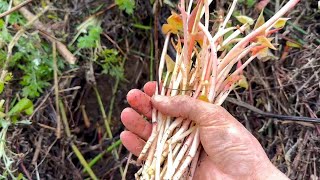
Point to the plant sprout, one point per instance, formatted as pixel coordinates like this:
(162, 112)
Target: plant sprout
(204, 69)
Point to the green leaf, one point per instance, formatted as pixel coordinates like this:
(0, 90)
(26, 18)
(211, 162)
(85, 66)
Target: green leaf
(20, 177)
(293, 44)
(260, 21)
(2, 23)
(280, 23)
(4, 123)
(111, 63)
(243, 82)
(90, 40)
(126, 5)
(2, 115)
(245, 20)
(8, 77)
(23, 105)
(2, 101)
(1, 87)
(249, 3)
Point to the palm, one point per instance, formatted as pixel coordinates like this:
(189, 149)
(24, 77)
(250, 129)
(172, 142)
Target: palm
(229, 150)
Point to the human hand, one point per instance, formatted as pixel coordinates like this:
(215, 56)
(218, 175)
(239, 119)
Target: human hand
(230, 151)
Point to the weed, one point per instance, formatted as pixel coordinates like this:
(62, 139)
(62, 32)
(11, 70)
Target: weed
(111, 63)
(108, 59)
(126, 5)
(31, 55)
(92, 40)
(249, 3)
(23, 106)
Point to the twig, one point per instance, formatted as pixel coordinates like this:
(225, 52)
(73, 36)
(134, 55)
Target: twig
(151, 57)
(25, 171)
(127, 166)
(156, 44)
(56, 89)
(86, 119)
(17, 7)
(277, 116)
(46, 154)
(37, 151)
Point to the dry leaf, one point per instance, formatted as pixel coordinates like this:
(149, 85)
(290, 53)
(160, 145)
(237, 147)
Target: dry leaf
(174, 24)
(266, 42)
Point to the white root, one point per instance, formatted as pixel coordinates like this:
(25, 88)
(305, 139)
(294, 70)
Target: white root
(173, 149)
(194, 164)
(154, 134)
(180, 155)
(191, 154)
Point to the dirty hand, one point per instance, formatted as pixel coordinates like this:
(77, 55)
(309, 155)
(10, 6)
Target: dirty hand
(230, 151)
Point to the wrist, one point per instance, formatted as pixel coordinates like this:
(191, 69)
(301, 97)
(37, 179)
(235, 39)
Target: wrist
(269, 172)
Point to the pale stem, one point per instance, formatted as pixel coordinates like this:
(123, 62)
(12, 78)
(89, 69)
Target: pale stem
(182, 129)
(159, 152)
(244, 65)
(182, 136)
(185, 32)
(225, 72)
(182, 152)
(163, 55)
(222, 96)
(163, 91)
(148, 143)
(233, 35)
(176, 84)
(190, 6)
(212, 63)
(232, 7)
(191, 154)
(240, 45)
(194, 164)
(207, 14)
(222, 32)
(203, 9)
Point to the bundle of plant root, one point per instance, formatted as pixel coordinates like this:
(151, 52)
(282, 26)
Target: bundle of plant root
(208, 65)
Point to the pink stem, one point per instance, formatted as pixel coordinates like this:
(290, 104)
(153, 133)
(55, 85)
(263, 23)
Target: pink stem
(240, 45)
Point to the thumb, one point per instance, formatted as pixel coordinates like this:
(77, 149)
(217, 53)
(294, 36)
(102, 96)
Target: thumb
(200, 112)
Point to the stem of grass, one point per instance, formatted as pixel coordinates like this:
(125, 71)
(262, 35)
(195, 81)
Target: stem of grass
(73, 146)
(99, 156)
(107, 124)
